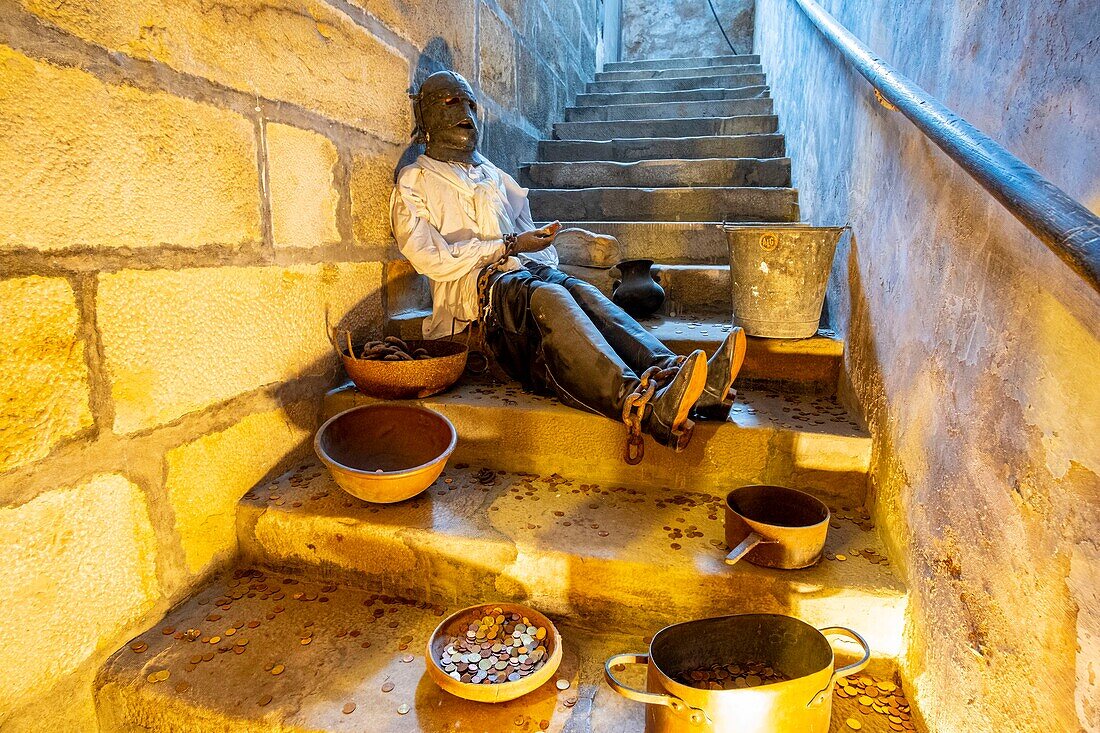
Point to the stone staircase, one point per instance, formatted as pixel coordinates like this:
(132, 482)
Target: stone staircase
(322, 626)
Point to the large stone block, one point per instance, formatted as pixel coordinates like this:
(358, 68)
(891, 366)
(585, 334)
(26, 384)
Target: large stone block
(298, 51)
(44, 395)
(497, 49)
(207, 477)
(112, 166)
(303, 194)
(372, 177)
(79, 569)
(176, 342)
(443, 30)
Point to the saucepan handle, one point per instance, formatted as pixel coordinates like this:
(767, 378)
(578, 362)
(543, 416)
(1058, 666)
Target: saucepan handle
(848, 670)
(695, 715)
(746, 546)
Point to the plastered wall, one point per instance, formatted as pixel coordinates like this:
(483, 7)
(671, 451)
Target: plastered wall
(971, 347)
(194, 192)
(680, 28)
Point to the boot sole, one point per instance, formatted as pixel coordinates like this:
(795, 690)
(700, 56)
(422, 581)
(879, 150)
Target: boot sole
(694, 389)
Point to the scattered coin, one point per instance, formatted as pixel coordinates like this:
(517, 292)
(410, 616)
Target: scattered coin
(402, 709)
(853, 723)
(562, 684)
(265, 700)
(388, 687)
(138, 647)
(349, 708)
(277, 669)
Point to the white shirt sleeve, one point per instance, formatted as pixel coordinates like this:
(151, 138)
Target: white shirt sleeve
(423, 245)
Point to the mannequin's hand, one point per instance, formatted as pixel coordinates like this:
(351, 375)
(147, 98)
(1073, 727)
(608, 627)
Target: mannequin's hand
(537, 239)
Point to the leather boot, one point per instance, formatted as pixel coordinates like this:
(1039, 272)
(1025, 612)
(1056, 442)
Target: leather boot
(717, 399)
(667, 420)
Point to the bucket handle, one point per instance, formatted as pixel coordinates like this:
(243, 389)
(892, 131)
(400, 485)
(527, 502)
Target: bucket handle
(850, 669)
(695, 715)
(746, 546)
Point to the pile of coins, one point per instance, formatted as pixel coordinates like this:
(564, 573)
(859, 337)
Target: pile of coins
(876, 696)
(498, 647)
(731, 676)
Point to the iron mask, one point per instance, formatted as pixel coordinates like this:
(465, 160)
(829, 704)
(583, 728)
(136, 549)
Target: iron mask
(446, 118)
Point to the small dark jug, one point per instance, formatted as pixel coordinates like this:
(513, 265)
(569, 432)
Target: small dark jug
(638, 292)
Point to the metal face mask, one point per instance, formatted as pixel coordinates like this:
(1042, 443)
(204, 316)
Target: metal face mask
(446, 112)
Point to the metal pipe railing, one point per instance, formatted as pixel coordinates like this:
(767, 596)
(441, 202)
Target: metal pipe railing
(1069, 229)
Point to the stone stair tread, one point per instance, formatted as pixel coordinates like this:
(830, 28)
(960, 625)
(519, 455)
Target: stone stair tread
(673, 203)
(670, 110)
(664, 241)
(635, 149)
(659, 172)
(680, 73)
(683, 62)
(726, 81)
(691, 95)
(684, 127)
(599, 555)
(805, 440)
(319, 679)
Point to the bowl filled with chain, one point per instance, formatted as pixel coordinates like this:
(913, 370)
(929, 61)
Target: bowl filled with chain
(493, 652)
(392, 368)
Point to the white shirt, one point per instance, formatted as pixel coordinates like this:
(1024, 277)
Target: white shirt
(449, 220)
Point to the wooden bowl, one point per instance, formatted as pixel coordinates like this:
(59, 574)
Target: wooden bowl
(455, 626)
(385, 453)
(406, 380)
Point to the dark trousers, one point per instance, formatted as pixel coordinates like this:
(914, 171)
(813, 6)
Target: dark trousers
(559, 335)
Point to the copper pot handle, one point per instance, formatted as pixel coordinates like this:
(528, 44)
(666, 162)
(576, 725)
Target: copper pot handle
(746, 547)
(850, 669)
(695, 715)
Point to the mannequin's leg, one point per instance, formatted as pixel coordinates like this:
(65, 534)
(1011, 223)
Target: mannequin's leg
(636, 346)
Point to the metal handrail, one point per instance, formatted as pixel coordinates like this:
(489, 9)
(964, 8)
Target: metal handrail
(1069, 229)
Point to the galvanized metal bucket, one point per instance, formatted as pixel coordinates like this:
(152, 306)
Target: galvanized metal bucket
(801, 704)
(778, 276)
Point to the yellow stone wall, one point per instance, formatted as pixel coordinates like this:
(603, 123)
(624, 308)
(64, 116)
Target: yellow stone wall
(193, 194)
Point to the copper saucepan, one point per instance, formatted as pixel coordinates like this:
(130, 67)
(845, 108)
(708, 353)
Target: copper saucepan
(775, 527)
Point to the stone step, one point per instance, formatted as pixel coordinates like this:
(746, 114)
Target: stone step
(666, 204)
(808, 441)
(632, 149)
(691, 95)
(806, 366)
(355, 663)
(683, 242)
(694, 289)
(723, 70)
(803, 366)
(671, 110)
(694, 127)
(682, 63)
(725, 81)
(601, 556)
(772, 172)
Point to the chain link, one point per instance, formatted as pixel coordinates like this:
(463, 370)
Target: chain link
(634, 408)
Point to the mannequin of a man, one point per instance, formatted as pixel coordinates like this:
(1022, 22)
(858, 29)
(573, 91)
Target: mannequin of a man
(467, 226)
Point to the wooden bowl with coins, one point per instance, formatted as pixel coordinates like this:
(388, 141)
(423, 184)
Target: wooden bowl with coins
(493, 652)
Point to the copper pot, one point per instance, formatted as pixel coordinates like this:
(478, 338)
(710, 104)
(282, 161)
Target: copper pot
(775, 526)
(801, 704)
(387, 452)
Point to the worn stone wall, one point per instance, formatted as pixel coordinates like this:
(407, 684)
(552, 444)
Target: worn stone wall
(193, 193)
(972, 348)
(654, 29)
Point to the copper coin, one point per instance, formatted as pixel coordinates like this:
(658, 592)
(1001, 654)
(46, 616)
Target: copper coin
(265, 700)
(277, 669)
(139, 646)
(388, 687)
(349, 708)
